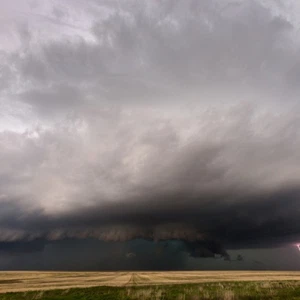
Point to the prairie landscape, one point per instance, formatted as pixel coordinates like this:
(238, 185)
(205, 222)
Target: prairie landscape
(149, 135)
(150, 285)
(15, 281)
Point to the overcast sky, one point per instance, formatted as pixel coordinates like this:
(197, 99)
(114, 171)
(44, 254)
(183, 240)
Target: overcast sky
(157, 120)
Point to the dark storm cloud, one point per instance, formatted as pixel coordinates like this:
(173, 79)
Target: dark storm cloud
(22, 247)
(91, 254)
(227, 190)
(166, 121)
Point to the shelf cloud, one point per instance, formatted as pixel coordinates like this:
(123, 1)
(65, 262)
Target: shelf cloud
(162, 121)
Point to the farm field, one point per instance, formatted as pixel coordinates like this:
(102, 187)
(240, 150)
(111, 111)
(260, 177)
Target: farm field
(16, 281)
(229, 290)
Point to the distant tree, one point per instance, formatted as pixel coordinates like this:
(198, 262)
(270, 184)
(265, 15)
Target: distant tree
(130, 255)
(227, 257)
(239, 258)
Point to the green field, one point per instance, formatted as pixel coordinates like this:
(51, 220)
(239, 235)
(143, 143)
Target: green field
(212, 290)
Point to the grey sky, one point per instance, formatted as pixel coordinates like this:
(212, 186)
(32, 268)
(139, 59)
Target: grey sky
(147, 119)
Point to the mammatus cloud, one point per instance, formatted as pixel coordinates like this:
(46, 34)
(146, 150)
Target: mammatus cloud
(160, 121)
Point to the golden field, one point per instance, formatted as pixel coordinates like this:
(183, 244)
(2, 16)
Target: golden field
(30, 280)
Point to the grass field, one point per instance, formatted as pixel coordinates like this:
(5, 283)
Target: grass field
(222, 290)
(150, 285)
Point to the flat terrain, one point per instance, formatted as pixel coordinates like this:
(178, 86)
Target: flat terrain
(237, 290)
(30, 281)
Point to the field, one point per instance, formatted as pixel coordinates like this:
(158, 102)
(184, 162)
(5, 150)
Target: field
(150, 285)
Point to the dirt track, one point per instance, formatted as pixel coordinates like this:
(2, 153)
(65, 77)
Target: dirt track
(24, 281)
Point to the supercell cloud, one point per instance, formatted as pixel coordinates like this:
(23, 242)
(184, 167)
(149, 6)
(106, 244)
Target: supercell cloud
(155, 120)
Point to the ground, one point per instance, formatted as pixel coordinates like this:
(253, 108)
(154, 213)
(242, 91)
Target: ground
(150, 285)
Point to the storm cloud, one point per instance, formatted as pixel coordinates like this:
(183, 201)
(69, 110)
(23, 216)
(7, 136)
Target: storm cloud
(161, 121)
